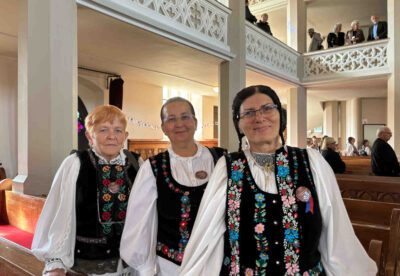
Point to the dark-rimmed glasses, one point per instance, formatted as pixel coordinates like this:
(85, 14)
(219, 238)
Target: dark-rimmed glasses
(266, 109)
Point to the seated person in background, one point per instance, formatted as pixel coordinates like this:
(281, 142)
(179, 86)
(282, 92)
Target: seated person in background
(315, 143)
(351, 149)
(316, 41)
(328, 151)
(249, 16)
(167, 194)
(383, 158)
(309, 142)
(263, 24)
(81, 224)
(336, 38)
(355, 35)
(365, 149)
(378, 30)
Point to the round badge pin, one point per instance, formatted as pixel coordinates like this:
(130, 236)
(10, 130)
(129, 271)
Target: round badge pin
(201, 175)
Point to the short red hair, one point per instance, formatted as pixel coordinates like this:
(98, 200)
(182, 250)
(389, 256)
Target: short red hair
(104, 113)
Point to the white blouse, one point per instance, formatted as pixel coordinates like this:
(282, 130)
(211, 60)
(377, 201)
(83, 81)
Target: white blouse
(341, 252)
(54, 239)
(139, 238)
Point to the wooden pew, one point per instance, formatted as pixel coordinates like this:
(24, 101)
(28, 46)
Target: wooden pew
(359, 165)
(18, 261)
(149, 147)
(375, 188)
(19, 216)
(378, 221)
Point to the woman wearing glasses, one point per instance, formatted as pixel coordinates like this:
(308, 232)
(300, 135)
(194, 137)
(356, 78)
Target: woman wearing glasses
(271, 209)
(167, 194)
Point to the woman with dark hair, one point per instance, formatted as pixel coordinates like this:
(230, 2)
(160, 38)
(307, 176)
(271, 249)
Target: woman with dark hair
(271, 209)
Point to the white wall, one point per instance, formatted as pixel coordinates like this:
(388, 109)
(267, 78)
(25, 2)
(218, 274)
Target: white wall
(8, 115)
(314, 115)
(374, 110)
(142, 104)
(208, 118)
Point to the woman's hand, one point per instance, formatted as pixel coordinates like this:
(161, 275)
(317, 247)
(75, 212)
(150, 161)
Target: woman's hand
(56, 272)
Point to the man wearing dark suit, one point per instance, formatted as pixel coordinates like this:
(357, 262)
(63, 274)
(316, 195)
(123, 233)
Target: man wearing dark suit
(383, 158)
(378, 30)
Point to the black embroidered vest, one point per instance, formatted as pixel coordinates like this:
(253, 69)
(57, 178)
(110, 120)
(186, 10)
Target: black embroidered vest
(272, 234)
(177, 207)
(100, 210)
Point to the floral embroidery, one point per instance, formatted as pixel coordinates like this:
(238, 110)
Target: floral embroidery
(260, 214)
(106, 197)
(233, 209)
(259, 229)
(112, 196)
(172, 253)
(287, 187)
(249, 272)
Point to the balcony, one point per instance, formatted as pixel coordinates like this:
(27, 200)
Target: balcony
(202, 24)
(269, 55)
(360, 60)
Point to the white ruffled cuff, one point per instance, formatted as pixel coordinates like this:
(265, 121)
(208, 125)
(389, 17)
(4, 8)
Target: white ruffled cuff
(53, 263)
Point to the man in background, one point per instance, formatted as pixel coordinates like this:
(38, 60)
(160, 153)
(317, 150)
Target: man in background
(383, 158)
(264, 25)
(378, 29)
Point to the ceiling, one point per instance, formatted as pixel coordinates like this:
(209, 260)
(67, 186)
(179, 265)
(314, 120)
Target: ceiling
(110, 45)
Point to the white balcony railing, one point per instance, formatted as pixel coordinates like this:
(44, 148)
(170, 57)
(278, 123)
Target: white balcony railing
(358, 60)
(200, 23)
(270, 55)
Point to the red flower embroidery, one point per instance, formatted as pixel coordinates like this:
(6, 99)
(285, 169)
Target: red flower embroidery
(106, 182)
(119, 181)
(121, 215)
(106, 216)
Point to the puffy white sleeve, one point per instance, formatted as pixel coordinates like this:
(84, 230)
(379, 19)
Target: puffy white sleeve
(139, 238)
(205, 250)
(54, 239)
(341, 252)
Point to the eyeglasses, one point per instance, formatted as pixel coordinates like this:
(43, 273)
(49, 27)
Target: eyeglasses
(184, 118)
(266, 109)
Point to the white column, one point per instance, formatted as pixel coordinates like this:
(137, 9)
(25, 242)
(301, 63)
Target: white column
(296, 25)
(354, 128)
(331, 119)
(343, 125)
(393, 53)
(297, 117)
(47, 91)
(232, 75)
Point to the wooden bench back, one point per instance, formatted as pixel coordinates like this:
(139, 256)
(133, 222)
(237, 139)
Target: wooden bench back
(370, 212)
(374, 188)
(358, 165)
(18, 261)
(23, 211)
(148, 147)
(377, 221)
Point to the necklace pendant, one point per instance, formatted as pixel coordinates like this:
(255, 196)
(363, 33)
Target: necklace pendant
(269, 167)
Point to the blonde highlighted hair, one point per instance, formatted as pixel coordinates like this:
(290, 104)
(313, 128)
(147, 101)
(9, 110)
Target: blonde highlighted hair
(102, 114)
